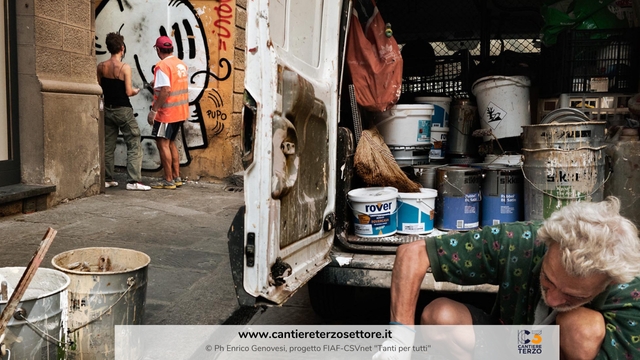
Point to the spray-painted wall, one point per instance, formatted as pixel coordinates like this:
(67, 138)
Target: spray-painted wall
(204, 35)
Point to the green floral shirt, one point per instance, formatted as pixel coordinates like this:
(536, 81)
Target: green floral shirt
(510, 256)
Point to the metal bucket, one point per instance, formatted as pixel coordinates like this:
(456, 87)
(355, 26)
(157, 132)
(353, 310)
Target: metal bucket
(458, 203)
(41, 306)
(108, 288)
(502, 188)
(411, 155)
(426, 175)
(565, 136)
(555, 178)
(461, 126)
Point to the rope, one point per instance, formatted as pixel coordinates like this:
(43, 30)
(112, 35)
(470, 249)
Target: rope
(130, 281)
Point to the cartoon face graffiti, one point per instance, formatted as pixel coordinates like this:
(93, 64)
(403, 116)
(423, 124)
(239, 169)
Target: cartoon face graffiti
(141, 22)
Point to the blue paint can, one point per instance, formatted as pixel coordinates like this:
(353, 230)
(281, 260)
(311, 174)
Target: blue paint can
(458, 205)
(502, 199)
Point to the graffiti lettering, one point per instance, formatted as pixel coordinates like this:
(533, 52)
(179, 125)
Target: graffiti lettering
(217, 115)
(224, 11)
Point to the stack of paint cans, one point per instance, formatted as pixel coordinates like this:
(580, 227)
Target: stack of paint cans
(439, 126)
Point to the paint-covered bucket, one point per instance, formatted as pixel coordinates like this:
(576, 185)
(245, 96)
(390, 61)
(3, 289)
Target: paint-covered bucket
(39, 312)
(506, 159)
(573, 135)
(503, 104)
(411, 155)
(439, 140)
(458, 204)
(406, 125)
(374, 211)
(555, 178)
(426, 175)
(502, 196)
(461, 125)
(441, 105)
(416, 211)
(108, 288)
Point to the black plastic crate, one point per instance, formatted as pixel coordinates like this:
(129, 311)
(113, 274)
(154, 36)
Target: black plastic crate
(584, 61)
(450, 78)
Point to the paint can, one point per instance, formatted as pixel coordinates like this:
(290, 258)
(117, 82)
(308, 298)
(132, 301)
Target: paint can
(374, 211)
(461, 125)
(108, 288)
(458, 203)
(426, 175)
(416, 211)
(503, 104)
(555, 178)
(411, 155)
(505, 159)
(566, 136)
(441, 106)
(39, 312)
(439, 141)
(406, 125)
(502, 188)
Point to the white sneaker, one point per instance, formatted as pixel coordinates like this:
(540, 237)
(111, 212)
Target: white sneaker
(109, 184)
(138, 186)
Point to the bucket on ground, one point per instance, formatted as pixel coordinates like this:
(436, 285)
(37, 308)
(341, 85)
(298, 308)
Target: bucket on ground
(506, 159)
(439, 143)
(108, 288)
(416, 211)
(502, 194)
(555, 178)
(461, 125)
(374, 211)
(426, 175)
(458, 203)
(503, 104)
(406, 125)
(411, 155)
(441, 105)
(567, 136)
(39, 312)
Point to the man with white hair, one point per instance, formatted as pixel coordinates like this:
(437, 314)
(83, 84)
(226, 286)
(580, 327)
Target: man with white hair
(579, 269)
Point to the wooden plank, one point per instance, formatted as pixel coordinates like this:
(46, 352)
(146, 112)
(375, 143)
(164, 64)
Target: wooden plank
(26, 278)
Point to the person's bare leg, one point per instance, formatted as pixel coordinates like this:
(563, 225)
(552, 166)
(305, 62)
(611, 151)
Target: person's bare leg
(460, 342)
(582, 332)
(165, 157)
(409, 269)
(175, 160)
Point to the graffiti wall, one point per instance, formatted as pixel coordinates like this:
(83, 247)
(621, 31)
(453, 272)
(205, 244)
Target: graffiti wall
(203, 34)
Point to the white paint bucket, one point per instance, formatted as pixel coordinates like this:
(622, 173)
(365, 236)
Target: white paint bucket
(416, 211)
(374, 211)
(406, 125)
(503, 104)
(441, 106)
(439, 140)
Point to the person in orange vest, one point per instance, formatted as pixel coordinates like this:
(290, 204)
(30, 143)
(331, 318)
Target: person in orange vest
(170, 109)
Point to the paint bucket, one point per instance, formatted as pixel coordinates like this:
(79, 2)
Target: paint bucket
(566, 136)
(411, 155)
(439, 141)
(406, 125)
(508, 160)
(502, 188)
(555, 178)
(503, 104)
(416, 211)
(441, 105)
(463, 160)
(458, 203)
(99, 300)
(461, 125)
(374, 211)
(426, 175)
(42, 307)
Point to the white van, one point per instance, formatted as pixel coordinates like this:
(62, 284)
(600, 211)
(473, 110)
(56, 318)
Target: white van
(298, 136)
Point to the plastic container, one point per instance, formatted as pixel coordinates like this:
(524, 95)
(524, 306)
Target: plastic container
(374, 211)
(439, 141)
(441, 106)
(411, 155)
(406, 125)
(416, 211)
(503, 104)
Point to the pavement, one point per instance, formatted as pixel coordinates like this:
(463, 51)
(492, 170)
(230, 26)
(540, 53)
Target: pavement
(184, 231)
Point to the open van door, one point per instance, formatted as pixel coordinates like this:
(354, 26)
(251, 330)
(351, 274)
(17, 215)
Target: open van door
(290, 120)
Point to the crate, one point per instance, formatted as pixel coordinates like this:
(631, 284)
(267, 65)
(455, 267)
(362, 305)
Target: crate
(584, 61)
(451, 78)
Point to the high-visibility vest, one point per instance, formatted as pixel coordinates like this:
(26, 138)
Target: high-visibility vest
(176, 108)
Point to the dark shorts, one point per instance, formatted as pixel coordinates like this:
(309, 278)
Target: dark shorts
(166, 130)
(479, 317)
